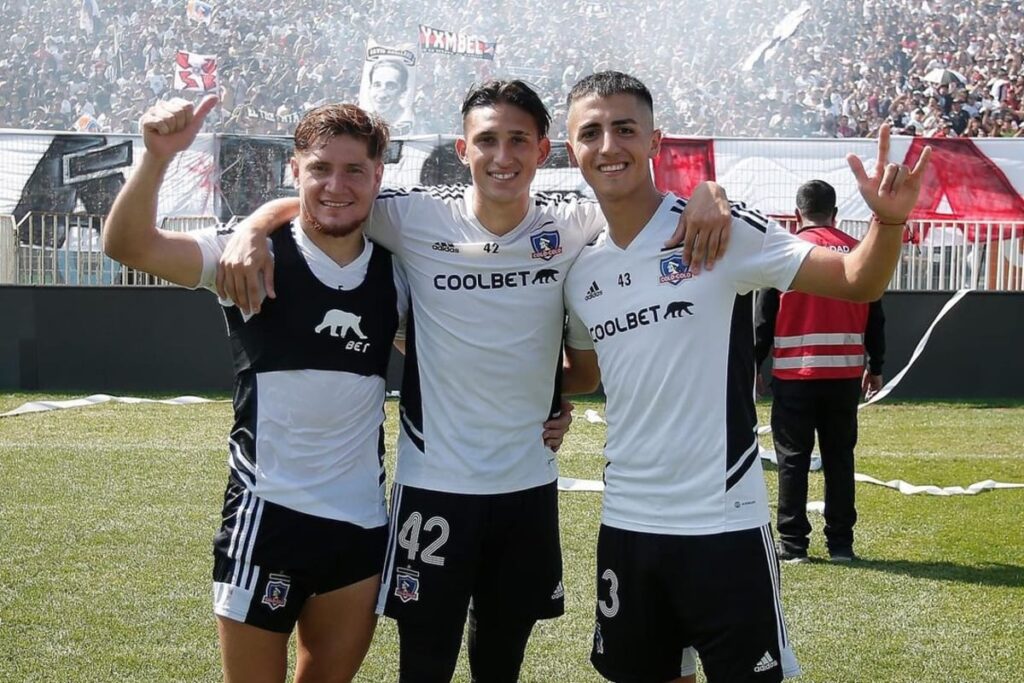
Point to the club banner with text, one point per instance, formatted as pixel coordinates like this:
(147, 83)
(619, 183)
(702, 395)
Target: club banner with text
(454, 43)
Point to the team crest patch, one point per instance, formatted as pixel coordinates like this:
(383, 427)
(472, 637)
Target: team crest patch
(546, 244)
(275, 595)
(407, 586)
(673, 270)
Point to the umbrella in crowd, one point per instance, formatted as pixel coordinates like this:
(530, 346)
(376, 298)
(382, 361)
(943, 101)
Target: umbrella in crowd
(945, 77)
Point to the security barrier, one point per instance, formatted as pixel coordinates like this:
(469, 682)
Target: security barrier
(951, 255)
(66, 249)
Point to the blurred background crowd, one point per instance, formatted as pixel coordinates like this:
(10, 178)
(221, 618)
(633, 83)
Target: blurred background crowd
(931, 67)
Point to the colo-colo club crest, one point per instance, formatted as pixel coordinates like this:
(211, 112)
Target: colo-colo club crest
(673, 270)
(546, 244)
(407, 584)
(275, 595)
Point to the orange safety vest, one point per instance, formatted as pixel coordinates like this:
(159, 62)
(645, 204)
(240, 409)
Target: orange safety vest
(817, 337)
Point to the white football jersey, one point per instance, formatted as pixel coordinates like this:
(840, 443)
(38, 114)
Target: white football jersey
(315, 437)
(483, 338)
(676, 353)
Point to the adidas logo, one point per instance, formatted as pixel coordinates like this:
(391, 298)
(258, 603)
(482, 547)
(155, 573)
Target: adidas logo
(766, 663)
(445, 246)
(593, 292)
(559, 592)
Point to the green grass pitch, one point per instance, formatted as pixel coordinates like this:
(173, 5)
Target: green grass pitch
(106, 517)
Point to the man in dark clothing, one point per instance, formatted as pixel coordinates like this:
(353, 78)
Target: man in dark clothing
(817, 378)
(958, 117)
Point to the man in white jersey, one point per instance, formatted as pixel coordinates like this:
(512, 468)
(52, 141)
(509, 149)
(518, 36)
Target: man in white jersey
(474, 509)
(685, 552)
(304, 523)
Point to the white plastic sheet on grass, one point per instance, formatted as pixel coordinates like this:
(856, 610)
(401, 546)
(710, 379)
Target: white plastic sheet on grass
(97, 399)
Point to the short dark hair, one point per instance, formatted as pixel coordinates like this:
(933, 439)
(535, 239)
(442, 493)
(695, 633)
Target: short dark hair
(608, 83)
(816, 201)
(402, 69)
(514, 92)
(320, 125)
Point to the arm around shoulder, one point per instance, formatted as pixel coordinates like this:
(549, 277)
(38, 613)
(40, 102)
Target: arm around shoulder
(246, 267)
(581, 373)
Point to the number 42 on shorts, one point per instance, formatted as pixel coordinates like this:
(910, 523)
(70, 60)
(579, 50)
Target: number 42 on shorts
(409, 538)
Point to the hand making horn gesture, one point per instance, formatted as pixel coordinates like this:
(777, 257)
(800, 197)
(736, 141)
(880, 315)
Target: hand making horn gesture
(891, 192)
(170, 126)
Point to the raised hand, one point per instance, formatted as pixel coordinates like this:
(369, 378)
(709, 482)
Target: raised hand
(891, 191)
(170, 126)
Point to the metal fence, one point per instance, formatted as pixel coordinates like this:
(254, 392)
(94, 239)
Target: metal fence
(8, 251)
(65, 249)
(951, 255)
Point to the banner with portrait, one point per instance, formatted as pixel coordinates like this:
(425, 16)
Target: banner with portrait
(388, 84)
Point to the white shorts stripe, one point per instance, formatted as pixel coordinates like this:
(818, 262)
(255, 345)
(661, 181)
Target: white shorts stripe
(790, 665)
(236, 533)
(392, 549)
(250, 543)
(773, 568)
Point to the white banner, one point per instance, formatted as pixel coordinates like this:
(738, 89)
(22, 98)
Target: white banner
(82, 173)
(197, 73)
(767, 173)
(388, 84)
(60, 172)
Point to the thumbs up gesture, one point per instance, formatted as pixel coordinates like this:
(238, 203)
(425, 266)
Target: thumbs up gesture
(170, 126)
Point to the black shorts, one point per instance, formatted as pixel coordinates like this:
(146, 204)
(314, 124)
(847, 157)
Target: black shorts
(268, 559)
(658, 594)
(502, 550)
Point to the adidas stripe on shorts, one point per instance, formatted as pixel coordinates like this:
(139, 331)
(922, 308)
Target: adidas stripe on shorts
(269, 559)
(658, 594)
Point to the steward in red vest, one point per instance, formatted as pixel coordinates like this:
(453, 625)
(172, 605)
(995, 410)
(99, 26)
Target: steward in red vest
(818, 376)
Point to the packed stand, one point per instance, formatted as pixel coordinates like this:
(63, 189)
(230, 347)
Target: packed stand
(844, 71)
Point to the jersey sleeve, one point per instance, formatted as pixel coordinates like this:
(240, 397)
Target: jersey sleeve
(583, 213)
(590, 218)
(767, 255)
(390, 210)
(212, 242)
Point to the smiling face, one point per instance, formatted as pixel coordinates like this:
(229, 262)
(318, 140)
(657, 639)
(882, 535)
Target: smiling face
(337, 184)
(503, 148)
(387, 85)
(612, 139)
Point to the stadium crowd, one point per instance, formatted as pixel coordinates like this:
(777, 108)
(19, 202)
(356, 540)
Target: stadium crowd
(932, 67)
